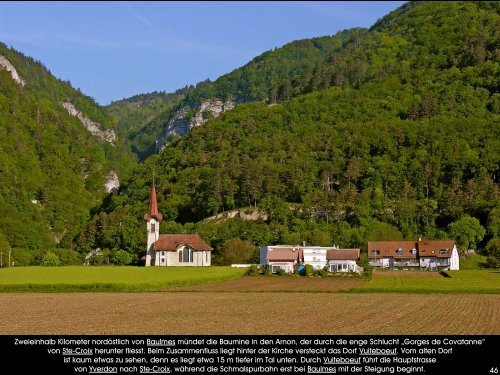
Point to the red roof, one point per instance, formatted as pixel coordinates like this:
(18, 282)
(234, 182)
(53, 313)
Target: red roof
(285, 254)
(153, 207)
(386, 249)
(171, 242)
(342, 254)
(438, 249)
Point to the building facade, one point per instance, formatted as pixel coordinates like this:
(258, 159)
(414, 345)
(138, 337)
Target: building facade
(172, 249)
(417, 255)
(287, 257)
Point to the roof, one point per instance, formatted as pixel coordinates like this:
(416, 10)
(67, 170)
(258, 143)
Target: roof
(171, 242)
(390, 249)
(386, 249)
(153, 207)
(441, 249)
(342, 254)
(285, 254)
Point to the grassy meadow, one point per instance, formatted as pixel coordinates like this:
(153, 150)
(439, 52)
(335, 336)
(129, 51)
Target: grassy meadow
(468, 281)
(109, 279)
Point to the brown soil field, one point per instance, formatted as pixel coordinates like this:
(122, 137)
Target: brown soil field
(420, 274)
(276, 284)
(248, 313)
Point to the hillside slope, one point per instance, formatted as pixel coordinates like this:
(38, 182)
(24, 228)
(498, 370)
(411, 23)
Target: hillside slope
(59, 155)
(404, 147)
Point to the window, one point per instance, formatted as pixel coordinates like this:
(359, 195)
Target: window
(186, 255)
(443, 251)
(206, 256)
(162, 253)
(163, 260)
(282, 267)
(375, 252)
(399, 251)
(153, 227)
(433, 252)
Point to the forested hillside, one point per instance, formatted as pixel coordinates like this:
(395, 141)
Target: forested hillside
(52, 169)
(399, 139)
(134, 113)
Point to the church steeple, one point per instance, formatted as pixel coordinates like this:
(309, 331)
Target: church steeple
(153, 218)
(153, 207)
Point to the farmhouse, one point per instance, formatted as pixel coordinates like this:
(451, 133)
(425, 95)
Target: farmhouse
(172, 249)
(286, 257)
(424, 255)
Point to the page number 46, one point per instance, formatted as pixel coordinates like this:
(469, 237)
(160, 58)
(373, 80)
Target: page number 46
(494, 370)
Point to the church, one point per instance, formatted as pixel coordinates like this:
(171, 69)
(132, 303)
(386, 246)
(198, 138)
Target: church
(172, 249)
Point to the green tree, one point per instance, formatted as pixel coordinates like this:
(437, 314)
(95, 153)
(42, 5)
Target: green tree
(121, 258)
(493, 251)
(237, 251)
(467, 231)
(50, 260)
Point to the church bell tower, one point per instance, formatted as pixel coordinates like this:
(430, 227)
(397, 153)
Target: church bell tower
(153, 218)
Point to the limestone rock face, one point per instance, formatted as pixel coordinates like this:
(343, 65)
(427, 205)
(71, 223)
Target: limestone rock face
(112, 182)
(5, 64)
(92, 126)
(183, 121)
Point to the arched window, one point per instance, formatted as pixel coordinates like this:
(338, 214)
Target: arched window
(186, 254)
(180, 256)
(153, 227)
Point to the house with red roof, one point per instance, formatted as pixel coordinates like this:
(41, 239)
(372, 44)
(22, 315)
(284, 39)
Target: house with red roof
(172, 249)
(287, 257)
(424, 255)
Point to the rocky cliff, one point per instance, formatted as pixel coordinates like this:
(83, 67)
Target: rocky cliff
(189, 117)
(92, 126)
(5, 64)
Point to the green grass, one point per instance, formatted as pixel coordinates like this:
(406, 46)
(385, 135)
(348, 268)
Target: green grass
(456, 282)
(473, 262)
(109, 279)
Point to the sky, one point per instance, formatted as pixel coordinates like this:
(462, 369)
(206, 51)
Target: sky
(114, 50)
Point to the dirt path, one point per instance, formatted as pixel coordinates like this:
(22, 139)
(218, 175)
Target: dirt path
(248, 313)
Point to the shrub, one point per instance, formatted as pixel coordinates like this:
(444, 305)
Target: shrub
(50, 260)
(96, 260)
(121, 258)
(253, 270)
(265, 271)
(309, 270)
(320, 273)
(280, 272)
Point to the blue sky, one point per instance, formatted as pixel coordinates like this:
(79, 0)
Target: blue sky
(113, 50)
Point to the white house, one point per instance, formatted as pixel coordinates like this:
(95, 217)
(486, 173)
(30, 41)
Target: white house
(281, 257)
(287, 257)
(417, 255)
(315, 256)
(438, 255)
(343, 260)
(172, 249)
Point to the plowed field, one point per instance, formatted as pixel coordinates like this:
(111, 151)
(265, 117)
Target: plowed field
(248, 313)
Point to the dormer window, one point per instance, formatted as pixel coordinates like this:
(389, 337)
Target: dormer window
(375, 252)
(433, 252)
(413, 251)
(443, 251)
(399, 251)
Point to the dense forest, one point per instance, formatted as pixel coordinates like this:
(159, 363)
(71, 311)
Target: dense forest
(399, 138)
(381, 134)
(52, 170)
